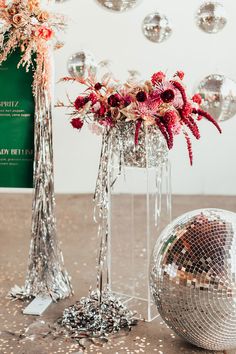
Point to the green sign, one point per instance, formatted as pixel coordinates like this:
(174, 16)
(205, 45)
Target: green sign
(16, 125)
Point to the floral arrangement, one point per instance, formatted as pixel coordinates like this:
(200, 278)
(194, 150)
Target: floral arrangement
(162, 102)
(30, 28)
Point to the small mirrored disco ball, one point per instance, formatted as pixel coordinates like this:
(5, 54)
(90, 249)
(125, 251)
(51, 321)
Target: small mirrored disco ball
(193, 277)
(118, 5)
(211, 17)
(81, 64)
(156, 27)
(219, 94)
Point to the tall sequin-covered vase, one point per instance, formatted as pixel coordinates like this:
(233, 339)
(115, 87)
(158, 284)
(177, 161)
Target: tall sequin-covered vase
(193, 278)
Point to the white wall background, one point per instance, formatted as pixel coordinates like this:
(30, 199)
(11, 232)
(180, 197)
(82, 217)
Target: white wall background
(118, 37)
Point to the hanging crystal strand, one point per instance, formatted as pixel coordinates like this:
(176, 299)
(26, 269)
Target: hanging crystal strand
(102, 200)
(158, 194)
(168, 191)
(46, 273)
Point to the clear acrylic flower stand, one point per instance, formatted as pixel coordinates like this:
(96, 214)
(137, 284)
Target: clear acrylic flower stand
(134, 225)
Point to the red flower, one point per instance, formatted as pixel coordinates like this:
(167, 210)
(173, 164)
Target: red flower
(102, 110)
(141, 96)
(167, 96)
(98, 86)
(180, 74)
(137, 129)
(171, 117)
(44, 33)
(93, 98)
(187, 109)
(189, 146)
(182, 91)
(77, 123)
(206, 115)
(114, 100)
(127, 100)
(197, 98)
(158, 77)
(79, 102)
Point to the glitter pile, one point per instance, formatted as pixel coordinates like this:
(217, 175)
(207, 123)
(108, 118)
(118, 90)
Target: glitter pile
(92, 318)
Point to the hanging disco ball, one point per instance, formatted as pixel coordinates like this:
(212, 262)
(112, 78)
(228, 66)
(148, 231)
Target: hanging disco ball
(156, 27)
(193, 278)
(219, 94)
(81, 64)
(211, 17)
(118, 5)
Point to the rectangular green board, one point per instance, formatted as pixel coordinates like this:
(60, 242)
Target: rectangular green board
(16, 125)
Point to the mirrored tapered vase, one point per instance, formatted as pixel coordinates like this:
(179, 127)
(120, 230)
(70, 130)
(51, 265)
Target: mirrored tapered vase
(46, 274)
(139, 201)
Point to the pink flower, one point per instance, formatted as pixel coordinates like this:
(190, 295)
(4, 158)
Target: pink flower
(158, 77)
(197, 98)
(100, 109)
(95, 129)
(77, 123)
(147, 110)
(107, 122)
(166, 88)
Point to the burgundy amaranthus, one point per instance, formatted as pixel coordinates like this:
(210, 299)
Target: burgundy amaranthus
(159, 102)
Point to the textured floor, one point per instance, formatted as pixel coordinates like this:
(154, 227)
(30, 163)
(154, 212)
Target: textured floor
(77, 232)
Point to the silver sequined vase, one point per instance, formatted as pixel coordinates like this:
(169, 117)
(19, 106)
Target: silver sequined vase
(193, 277)
(151, 148)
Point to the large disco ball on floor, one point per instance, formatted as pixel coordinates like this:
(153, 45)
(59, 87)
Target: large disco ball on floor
(193, 278)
